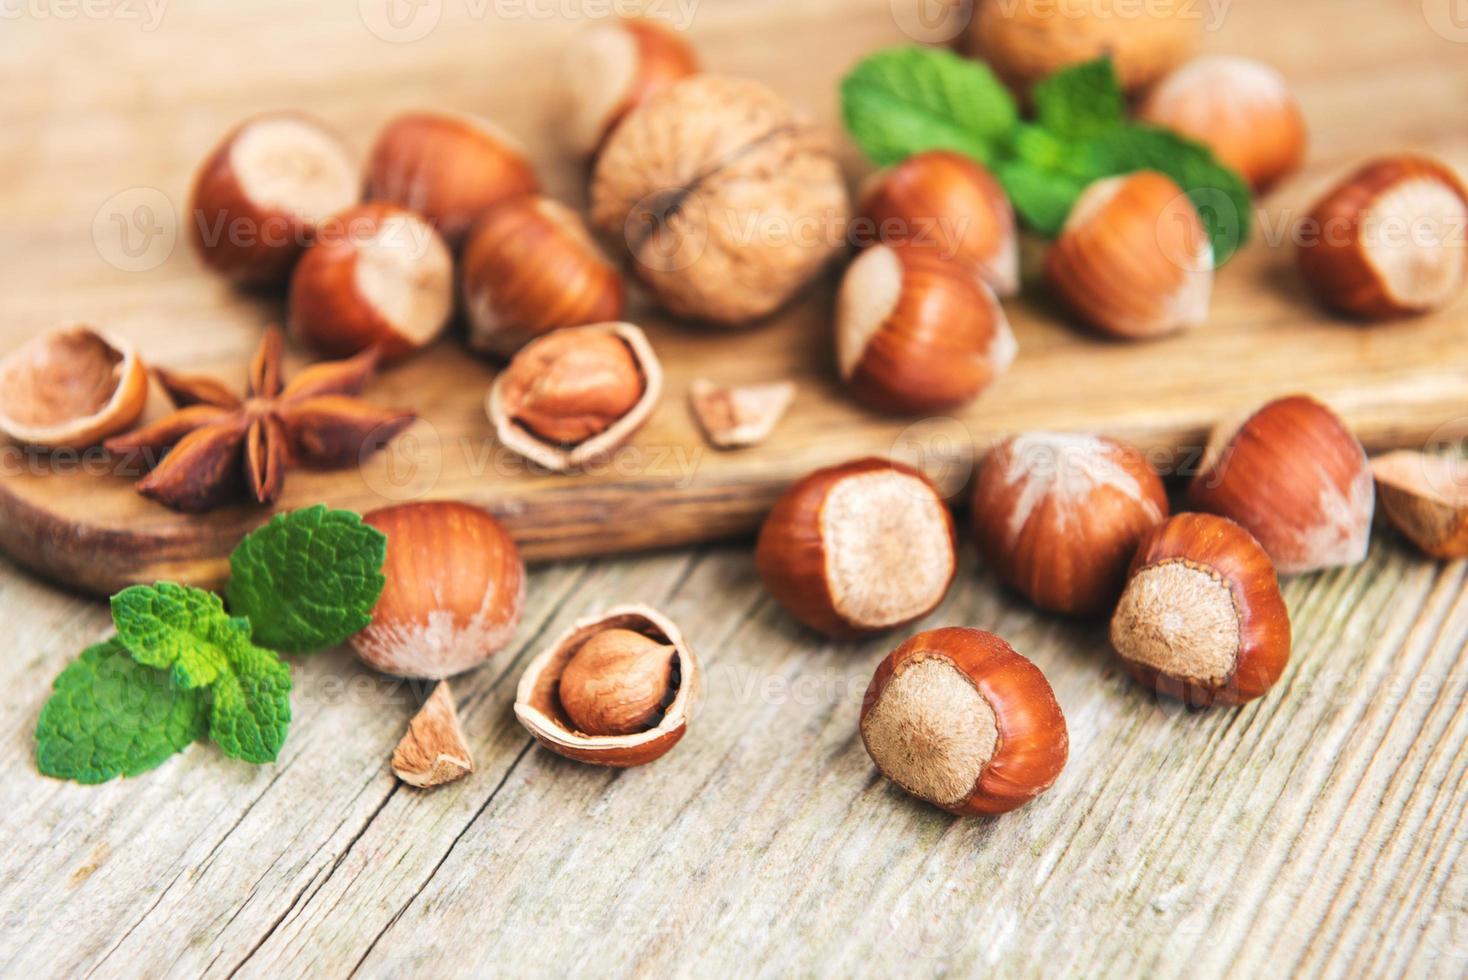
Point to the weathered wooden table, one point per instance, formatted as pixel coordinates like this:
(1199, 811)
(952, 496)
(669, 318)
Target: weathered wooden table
(1320, 829)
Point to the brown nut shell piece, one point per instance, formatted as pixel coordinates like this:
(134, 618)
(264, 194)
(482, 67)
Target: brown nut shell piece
(736, 416)
(538, 708)
(1202, 618)
(1426, 498)
(726, 199)
(562, 457)
(70, 389)
(956, 717)
(433, 751)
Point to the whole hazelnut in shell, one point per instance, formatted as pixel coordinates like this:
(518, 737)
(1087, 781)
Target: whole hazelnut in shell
(727, 200)
(1028, 42)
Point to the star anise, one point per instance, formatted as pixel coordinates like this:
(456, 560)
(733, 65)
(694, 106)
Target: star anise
(218, 444)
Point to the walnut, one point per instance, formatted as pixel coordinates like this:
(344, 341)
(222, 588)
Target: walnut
(1024, 43)
(726, 198)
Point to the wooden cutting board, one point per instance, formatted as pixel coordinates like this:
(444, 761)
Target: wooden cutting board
(109, 161)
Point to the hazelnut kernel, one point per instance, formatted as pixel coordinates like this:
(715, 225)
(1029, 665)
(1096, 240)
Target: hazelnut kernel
(567, 388)
(618, 683)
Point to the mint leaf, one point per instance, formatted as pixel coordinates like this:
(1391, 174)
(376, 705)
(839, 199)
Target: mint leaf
(250, 709)
(178, 628)
(1080, 102)
(907, 100)
(110, 716)
(308, 579)
(1222, 198)
(1042, 197)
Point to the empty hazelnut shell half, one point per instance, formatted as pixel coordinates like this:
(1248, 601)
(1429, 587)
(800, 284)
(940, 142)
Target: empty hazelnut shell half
(538, 700)
(1426, 498)
(70, 389)
(570, 397)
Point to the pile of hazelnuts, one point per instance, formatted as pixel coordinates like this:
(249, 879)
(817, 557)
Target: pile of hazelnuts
(449, 217)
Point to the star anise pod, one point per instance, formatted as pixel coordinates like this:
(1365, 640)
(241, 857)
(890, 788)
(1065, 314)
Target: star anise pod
(218, 444)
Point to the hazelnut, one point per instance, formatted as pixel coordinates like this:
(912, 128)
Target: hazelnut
(956, 717)
(449, 168)
(258, 197)
(1134, 259)
(70, 389)
(858, 548)
(455, 588)
(433, 751)
(611, 69)
(377, 276)
(1426, 499)
(734, 416)
(1059, 516)
(1294, 477)
(1028, 42)
(917, 333)
(629, 677)
(572, 396)
(728, 201)
(618, 683)
(1240, 108)
(945, 203)
(1202, 618)
(530, 266)
(1388, 241)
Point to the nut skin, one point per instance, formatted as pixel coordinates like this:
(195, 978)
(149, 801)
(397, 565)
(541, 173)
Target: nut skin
(1241, 109)
(1134, 260)
(530, 266)
(328, 311)
(617, 683)
(446, 167)
(1033, 741)
(944, 340)
(1027, 42)
(688, 173)
(657, 58)
(538, 704)
(272, 238)
(1333, 256)
(454, 593)
(1223, 548)
(791, 553)
(946, 203)
(1069, 555)
(574, 395)
(1295, 478)
(53, 369)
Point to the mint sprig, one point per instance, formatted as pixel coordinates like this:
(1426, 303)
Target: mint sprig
(181, 666)
(909, 100)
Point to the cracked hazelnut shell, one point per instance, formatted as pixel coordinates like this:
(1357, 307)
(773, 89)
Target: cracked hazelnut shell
(1058, 516)
(448, 167)
(1202, 618)
(956, 717)
(70, 389)
(1425, 497)
(859, 548)
(1296, 479)
(539, 708)
(726, 199)
(572, 396)
(1388, 241)
(529, 267)
(433, 751)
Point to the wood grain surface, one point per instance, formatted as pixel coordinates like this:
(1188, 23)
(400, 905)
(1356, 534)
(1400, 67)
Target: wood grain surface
(1319, 830)
(94, 200)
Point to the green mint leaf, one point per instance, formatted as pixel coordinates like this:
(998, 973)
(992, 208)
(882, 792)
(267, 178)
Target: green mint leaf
(1042, 197)
(907, 100)
(250, 709)
(1080, 102)
(177, 628)
(1222, 198)
(308, 579)
(111, 716)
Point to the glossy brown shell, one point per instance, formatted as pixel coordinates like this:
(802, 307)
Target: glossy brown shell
(538, 708)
